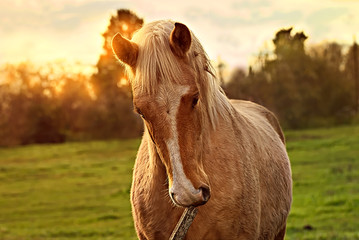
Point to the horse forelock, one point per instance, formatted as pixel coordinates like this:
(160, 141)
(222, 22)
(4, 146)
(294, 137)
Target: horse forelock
(156, 64)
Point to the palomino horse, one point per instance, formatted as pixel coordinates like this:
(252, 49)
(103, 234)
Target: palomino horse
(199, 148)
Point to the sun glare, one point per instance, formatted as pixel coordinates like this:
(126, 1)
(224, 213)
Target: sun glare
(124, 27)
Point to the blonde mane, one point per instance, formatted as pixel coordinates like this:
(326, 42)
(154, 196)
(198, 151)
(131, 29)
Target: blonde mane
(157, 63)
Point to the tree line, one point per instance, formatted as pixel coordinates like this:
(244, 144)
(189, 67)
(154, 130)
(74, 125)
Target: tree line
(305, 87)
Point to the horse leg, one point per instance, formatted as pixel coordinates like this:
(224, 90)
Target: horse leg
(280, 235)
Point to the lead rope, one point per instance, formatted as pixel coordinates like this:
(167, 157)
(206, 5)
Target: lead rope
(184, 223)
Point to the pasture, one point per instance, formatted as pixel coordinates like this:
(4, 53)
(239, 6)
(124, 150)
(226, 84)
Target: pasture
(81, 190)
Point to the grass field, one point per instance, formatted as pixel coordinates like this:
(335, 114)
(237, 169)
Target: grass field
(81, 190)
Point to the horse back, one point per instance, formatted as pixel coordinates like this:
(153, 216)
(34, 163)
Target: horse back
(239, 105)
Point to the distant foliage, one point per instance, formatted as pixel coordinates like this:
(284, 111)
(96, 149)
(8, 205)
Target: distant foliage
(305, 88)
(52, 104)
(31, 109)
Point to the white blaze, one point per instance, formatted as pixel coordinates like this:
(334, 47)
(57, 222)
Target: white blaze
(181, 186)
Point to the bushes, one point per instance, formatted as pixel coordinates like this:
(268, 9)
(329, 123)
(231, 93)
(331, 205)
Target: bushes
(38, 106)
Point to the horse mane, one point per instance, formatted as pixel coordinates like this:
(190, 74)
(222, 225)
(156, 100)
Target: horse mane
(156, 63)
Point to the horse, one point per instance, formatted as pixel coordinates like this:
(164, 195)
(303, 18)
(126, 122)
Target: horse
(225, 157)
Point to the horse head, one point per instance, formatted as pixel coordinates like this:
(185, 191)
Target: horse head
(159, 61)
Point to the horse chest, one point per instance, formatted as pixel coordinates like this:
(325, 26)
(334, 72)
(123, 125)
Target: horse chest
(154, 215)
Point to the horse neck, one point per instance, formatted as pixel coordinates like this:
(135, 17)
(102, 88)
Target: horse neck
(154, 164)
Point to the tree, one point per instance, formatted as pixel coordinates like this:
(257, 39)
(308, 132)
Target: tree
(287, 44)
(107, 80)
(351, 68)
(111, 86)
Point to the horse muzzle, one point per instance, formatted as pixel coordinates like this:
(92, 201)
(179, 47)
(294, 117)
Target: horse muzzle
(193, 197)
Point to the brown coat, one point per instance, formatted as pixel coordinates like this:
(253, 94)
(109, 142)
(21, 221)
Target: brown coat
(199, 144)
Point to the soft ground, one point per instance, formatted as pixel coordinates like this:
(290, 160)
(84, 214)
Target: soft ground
(81, 190)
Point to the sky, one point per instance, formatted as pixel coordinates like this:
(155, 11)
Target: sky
(231, 30)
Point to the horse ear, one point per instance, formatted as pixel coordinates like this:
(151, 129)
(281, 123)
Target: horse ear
(180, 39)
(125, 50)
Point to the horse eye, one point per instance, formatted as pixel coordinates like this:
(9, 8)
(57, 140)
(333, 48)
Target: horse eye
(194, 101)
(139, 112)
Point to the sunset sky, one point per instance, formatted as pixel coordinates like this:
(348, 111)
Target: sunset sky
(235, 31)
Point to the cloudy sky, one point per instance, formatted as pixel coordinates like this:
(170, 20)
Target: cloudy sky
(234, 30)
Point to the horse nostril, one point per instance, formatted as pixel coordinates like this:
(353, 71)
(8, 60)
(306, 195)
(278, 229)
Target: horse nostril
(206, 193)
(172, 195)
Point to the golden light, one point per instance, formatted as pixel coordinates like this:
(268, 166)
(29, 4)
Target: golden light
(47, 92)
(123, 82)
(59, 86)
(34, 81)
(124, 27)
(91, 91)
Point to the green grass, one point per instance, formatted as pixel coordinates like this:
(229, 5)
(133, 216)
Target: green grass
(81, 190)
(325, 168)
(67, 191)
